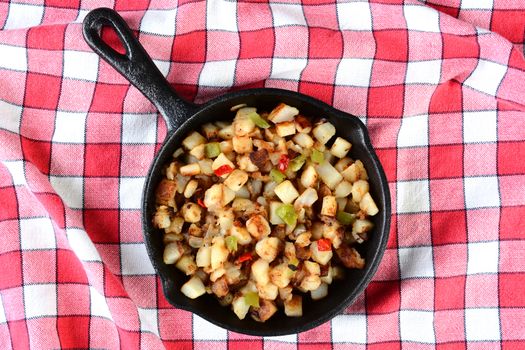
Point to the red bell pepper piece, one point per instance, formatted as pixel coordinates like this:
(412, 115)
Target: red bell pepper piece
(324, 245)
(245, 257)
(283, 163)
(201, 203)
(223, 170)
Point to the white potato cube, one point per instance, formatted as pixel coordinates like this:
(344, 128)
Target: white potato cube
(194, 288)
(243, 126)
(246, 164)
(190, 189)
(226, 133)
(343, 189)
(203, 258)
(368, 205)
(286, 192)
(206, 166)
(312, 268)
(239, 306)
(310, 282)
(321, 257)
(192, 140)
(213, 197)
(236, 179)
(294, 306)
(285, 129)
(329, 207)
(324, 132)
(258, 226)
(306, 199)
(268, 248)
(274, 218)
(172, 252)
(269, 291)
(320, 292)
(309, 176)
(362, 226)
(242, 144)
(242, 235)
(186, 264)
(303, 140)
(190, 169)
(198, 151)
(260, 272)
(342, 164)
(219, 252)
(329, 174)
(283, 113)
(340, 148)
(210, 130)
(220, 161)
(280, 275)
(359, 189)
(191, 212)
(225, 220)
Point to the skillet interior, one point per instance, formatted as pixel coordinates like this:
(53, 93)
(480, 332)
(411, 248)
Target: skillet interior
(341, 293)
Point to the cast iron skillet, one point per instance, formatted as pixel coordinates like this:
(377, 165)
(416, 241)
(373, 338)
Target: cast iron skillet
(181, 118)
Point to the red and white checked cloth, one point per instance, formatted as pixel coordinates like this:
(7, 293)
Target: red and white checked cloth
(440, 84)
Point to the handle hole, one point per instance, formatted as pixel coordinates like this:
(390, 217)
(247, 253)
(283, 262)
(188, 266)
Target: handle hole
(112, 39)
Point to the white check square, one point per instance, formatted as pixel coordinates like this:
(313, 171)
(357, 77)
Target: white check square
(70, 190)
(218, 73)
(423, 72)
(482, 324)
(483, 257)
(82, 245)
(480, 126)
(413, 196)
(486, 77)
(139, 128)
(204, 330)
(161, 22)
(287, 14)
(130, 192)
(37, 233)
(40, 300)
(413, 131)
(23, 16)
(70, 127)
(349, 329)
(421, 18)
(13, 58)
(354, 16)
(288, 68)
(81, 65)
(416, 262)
(354, 72)
(477, 4)
(222, 15)
(481, 192)
(148, 320)
(16, 168)
(135, 260)
(417, 326)
(99, 306)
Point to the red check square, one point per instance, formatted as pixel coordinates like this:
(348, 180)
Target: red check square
(443, 232)
(385, 101)
(39, 266)
(108, 98)
(449, 293)
(102, 225)
(510, 290)
(189, 47)
(11, 277)
(42, 91)
(102, 160)
(383, 297)
(257, 43)
(446, 161)
(324, 43)
(46, 37)
(391, 45)
(70, 269)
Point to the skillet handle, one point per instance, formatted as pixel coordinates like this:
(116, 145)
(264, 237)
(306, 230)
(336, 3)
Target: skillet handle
(136, 65)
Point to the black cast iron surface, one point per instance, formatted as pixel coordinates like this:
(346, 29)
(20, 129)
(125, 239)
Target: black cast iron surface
(181, 118)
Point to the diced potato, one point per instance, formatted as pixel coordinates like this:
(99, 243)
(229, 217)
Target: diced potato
(285, 129)
(193, 140)
(359, 189)
(265, 310)
(239, 306)
(213, 197)
(269, 291)
(165, 192)
(329, 207)
(206, 166)
(258, 226)
(198, 151)
(161, 219)
(194, 288)
(303, 239)
(186, 264)
(350, 257)
(236, 179)
(233, 274)
(246, 164)
(260, 272)
(362, 226)
(355, 172)
(242, 126)
(303, 140)
(320, 292)
(321, 257)
(219, 252)
(242, 144)
(312, 268)
(328, 278)
(176, 225)
(226, 133)
(302, 124)
(368, 205)
(309, 176)
(341, 203)
(191, 212)
(172, 252)
(190, 189)
(310, 282)
(317, 230)
(286, 192)
(340, 148)
(280, 275)
(342, 164)
(216, 274)
(282, 113)
(306, 199)
(243, 205)
(243, 193)
(274, 218)
(225, 220)
(294, 306)
(334, 233)
(220, 161)
(285, 294)
(329, 174)
(343, 189)
(190, 169)
(268, 248)
(195, 230)
(324, 132)
(227, 195)
(203, 258)
(210, 130)
(242, 235)
(172, 237)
